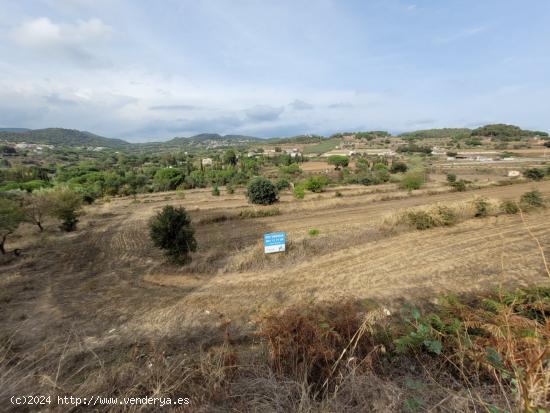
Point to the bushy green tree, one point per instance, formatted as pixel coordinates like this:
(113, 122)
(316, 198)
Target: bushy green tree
(261, 191)
(338, 161)
(167, 179)
(65, 205)
(11, 215)
(413, 180)
(171, 230)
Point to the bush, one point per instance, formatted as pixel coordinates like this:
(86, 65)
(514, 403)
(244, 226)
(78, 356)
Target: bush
(261, 191)
(481, 206)
(171, 230)
(412, 180)
(313, 232)
(316, 183)
(535, 174)
(299, 192)
(216, 191)
(451, 178)
(338, 194)
(66, 206)
(420, 220)
(531, 199)
(459, 186)
(230, 190)
(509, 207)
(398, 167)
(11, 215)
(282, 184)
(259, 213)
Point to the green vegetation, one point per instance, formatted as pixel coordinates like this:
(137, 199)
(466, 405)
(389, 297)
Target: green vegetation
(170, 230)
(536, 174)
(11, 215)
(414, 148)
(316, 183)
(313, 232)
(509, 207)
(63, 137)
(323, 146)
(259, 213)
(65, 205)
(261, 191)
(338, 161)
(459, 133)
(413, 180)
(299, 191)
(506, 132)
(531, 199)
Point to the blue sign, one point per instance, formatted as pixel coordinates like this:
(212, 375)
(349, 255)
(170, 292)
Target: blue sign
(274, 242)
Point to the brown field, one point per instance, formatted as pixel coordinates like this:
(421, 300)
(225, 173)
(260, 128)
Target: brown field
(105, 284)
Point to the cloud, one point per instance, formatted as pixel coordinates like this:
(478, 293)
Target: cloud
(71, 40)
(264, 113)
(173, 107)
(340, 105)
(300, 105)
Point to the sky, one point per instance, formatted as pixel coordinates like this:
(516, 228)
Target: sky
(150, 70)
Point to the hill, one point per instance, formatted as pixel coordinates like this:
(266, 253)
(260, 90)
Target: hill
(14, 129)
(506, 132)
(62, 137)
(437, 133)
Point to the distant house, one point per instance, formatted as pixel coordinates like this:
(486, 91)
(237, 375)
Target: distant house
(514, 174)
(206, 161)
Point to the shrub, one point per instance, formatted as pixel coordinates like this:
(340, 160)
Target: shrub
(299, 192)
(171, 230)
(481, 206)
(398, 167)
(532, 199)
(11, 215)
(446, 216)
(509, 207)
(261, 191)
(292, 169)
(316, 183)
(313, 232)
(66, 207)
(412, 180)
(216, 191)
(535, 174)
(282, 184)
(230, 190)
(451, 178)
(338, 194)
(259, 213)
(459, 186)
(420, 220)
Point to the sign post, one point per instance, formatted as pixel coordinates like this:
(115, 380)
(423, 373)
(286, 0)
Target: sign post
(274, 242)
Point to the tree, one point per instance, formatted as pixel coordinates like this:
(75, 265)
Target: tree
(230, 157)
(338, 161)
(171, 230)
(261, 191)
(11, 215)
(167, 179)
(66, 207)
(547, 144)
(37, 205)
